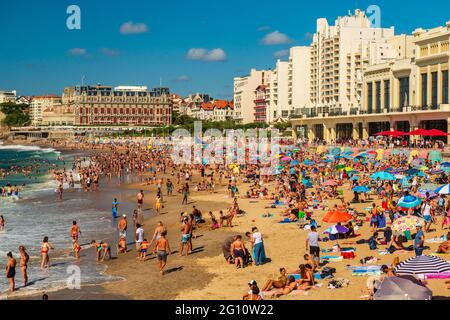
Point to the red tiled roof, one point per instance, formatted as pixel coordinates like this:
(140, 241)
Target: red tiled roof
(208, 106)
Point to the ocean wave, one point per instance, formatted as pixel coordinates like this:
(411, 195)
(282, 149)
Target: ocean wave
(20, 148)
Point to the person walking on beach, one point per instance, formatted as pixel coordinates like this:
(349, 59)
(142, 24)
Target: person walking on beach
(169, 186)
(122, 226)
(312, 244)
(160, 228)
(158, 204)
(139, 236)
(75, 231)
(185, 192)
(45, 248)
(162, 249)
(140, 200)
(24, 257)
(115, 208)
(419, 240)
(60, 190)
(185, 236)
(2, 224)
(11, 271)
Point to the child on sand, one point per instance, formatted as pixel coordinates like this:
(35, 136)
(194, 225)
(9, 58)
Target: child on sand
(143, 250)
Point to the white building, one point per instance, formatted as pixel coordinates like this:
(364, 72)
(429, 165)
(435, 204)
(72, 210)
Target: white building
(39, 104)
(278, 92)
(339, 56)
(8, 96)
(244, 94)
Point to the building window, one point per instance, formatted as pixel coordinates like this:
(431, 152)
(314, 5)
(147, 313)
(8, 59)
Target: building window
(424, 89)
(369, 98)
(404, 92)
(434, 89)
(445, 87)
(378, 96)
(387, 95)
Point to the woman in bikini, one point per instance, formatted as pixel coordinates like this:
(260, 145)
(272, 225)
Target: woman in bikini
(2, 223)
(158, 204)
(160, 228)
(24, 257)
(45, 248)
(307, 278)
(278, 284)
(290, 286)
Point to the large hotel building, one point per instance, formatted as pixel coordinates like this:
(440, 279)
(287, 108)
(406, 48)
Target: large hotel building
(124, 105)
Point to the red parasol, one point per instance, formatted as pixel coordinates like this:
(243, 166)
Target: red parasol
(419, 132)
(336, 216)
(391, 133)
(436, 133)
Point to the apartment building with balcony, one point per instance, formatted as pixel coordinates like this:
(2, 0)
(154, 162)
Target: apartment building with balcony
(39, 104)
(406, 90)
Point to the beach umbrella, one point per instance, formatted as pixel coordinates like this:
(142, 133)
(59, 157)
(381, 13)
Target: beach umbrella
(308, 162)
(445, 164)
(295, 162)
(419, 132)
(423, 193)
(435, 156)
(423, 265)
(423, 168)
(402, 288)
(361, 155)
(336, 216)
(412, 171)
(436, 133)
(436, 171)
(406, 223)
(361, 189)
(335, 151)
(336, 229)
(445, 189)
(429, 187)
(330, 183)
(409, 201)
(286, 159)
(382, 175)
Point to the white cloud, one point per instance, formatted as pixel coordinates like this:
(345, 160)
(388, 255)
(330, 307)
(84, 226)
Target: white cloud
(77, 52)
(183, 78)
(133, 28)
(281, 53)
(274, 38)
(202, 54)
(109, 52)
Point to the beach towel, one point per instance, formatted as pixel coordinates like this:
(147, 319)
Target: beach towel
(287, 221)
(445, 275)
(332, 258)
(435, 240)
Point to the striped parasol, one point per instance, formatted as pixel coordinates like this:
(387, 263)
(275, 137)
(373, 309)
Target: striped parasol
(423, 265)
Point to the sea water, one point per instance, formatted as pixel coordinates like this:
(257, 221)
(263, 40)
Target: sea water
(39, 212)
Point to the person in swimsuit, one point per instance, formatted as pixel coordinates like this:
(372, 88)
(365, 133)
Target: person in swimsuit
(143, 250)
(11, 271)
(75, 231)
(122, 245)
(306, 277)
(102, 249)
(158, 204)
(280, 283)
(122, 226)
(237, 251)
(162, 249)
(290, 286)
(45, 248)
(24, 257)
(114, 209)
(2, 223)
(76, 248)
(140, 200)
(160, 228)
(185, 236)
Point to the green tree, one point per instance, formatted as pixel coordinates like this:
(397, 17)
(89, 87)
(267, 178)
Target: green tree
(16, 115)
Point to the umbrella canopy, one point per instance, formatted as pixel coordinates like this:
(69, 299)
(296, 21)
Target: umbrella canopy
(391, 133)
(406, 223)
(409, 201)
(383, 175)
(423, 265)
(418, 132)
(336, 229)
(361, 189)
(295, 162)
(335, 216)
(286, 159)
(330, 183)
(308, 162)
(445, 189)
(436, 133)
(402, 288)
(429, 187)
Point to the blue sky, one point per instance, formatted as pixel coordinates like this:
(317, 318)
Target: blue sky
(39, 55)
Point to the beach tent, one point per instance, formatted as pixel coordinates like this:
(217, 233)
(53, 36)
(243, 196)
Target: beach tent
(402, 288)
(423, 265)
